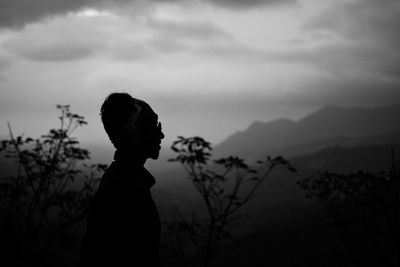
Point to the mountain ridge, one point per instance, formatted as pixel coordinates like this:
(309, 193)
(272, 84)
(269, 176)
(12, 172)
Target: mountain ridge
(327, 123)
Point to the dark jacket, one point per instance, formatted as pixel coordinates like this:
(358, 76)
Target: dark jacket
(123, 225)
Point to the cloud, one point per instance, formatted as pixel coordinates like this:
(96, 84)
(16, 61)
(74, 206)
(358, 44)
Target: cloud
(353, 59)
(340, 59)
(187, 29)
(362, 20)
(244, 4)
(170, 36)
(54, 51)
(370, 33)
(5, 63)
(17, 14)
(63, 40)
(350, 91)
(78, 37)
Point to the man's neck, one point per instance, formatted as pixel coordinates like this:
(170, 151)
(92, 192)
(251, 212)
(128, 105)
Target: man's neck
(130, 157)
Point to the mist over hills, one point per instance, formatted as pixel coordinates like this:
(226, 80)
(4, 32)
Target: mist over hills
(328, 126)
(331, 139)
(280, 191)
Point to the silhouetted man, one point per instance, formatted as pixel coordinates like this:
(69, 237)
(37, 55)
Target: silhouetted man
(123, 226)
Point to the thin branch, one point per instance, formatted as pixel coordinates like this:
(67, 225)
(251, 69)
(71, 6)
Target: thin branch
(19, 153)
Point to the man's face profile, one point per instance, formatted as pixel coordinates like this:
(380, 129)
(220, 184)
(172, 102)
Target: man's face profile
(142, 133)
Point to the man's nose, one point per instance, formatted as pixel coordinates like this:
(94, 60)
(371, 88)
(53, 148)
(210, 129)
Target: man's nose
(162, 135)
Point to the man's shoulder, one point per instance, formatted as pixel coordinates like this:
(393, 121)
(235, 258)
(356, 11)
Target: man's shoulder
(108, 176)
(122, 178)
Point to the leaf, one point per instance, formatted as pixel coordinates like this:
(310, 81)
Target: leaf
(292, 169)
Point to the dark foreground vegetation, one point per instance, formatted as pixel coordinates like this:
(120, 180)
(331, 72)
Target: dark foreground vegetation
(354, 219)
(48, 196)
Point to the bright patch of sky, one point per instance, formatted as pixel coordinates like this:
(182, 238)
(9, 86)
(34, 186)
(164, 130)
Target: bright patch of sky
(92, 13)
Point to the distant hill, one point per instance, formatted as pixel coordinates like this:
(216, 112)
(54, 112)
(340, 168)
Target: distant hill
(371, 158)
(328, 126)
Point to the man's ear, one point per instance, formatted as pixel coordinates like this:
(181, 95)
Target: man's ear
(131, 127)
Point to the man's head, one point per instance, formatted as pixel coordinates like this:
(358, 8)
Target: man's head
(131, 124)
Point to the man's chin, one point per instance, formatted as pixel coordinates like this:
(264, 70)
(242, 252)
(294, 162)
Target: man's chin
(154, 155)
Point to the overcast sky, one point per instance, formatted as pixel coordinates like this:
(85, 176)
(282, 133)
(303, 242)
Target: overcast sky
(208, 67)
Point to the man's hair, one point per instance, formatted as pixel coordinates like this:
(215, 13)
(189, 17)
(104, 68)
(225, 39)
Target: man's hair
(115, 112)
